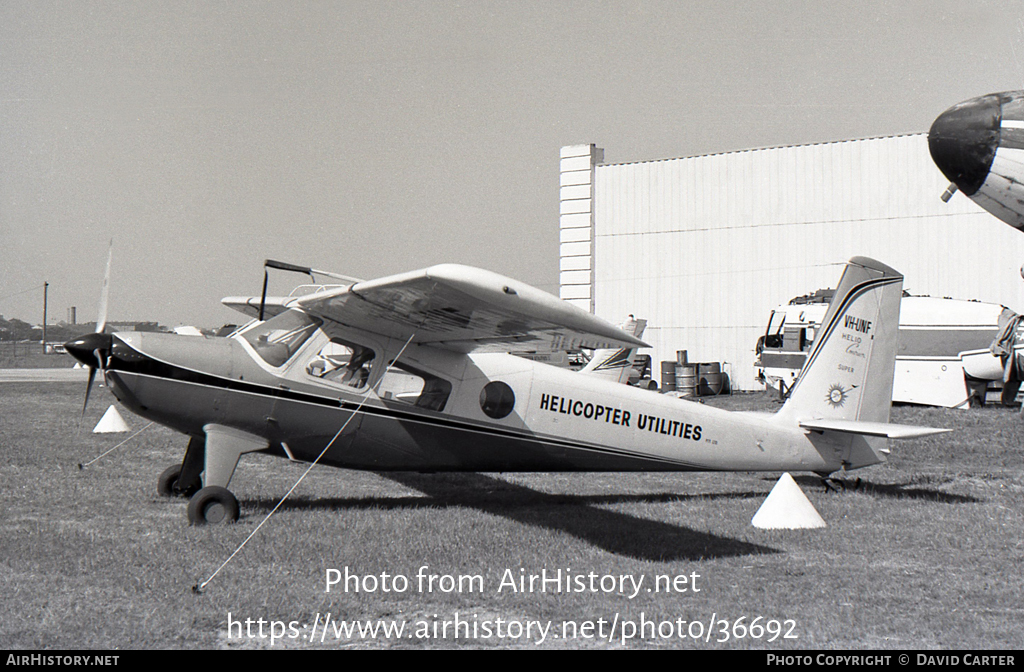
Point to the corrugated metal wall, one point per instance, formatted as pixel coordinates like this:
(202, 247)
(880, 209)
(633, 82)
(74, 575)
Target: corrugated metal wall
(704, 247)
(576, 224)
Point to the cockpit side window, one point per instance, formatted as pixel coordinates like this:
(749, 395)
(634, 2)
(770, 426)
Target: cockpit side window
(410, 385)
(342, 362)
(280, 337)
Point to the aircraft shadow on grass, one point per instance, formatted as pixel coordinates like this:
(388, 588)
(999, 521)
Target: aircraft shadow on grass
(579, 515)
(896, 491)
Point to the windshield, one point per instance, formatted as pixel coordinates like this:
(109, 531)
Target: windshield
(280, 337)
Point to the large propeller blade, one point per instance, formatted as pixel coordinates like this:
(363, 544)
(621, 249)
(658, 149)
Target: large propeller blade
(88, 389)
(93, 349)
(101, 315)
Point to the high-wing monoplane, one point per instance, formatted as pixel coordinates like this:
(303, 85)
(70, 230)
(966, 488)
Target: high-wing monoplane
(417, 371)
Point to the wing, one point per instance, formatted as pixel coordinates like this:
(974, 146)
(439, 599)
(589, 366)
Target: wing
(465, 309)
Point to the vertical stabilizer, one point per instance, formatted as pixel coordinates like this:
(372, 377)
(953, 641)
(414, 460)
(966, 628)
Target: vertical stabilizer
(615, 364)
(849, 371)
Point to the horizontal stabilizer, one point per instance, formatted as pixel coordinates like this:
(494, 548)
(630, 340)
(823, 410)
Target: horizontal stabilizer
(886, 429)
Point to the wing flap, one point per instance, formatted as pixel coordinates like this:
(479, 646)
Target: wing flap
(465, 309)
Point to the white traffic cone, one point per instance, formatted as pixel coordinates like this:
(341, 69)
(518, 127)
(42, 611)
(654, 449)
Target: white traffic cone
(110, 422)
(787, 508)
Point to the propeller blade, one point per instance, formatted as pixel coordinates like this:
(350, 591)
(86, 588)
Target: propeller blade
(93, 349)
(88, 388)
(101, 317)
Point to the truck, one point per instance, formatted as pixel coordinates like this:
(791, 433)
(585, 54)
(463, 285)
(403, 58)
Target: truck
(948, 352)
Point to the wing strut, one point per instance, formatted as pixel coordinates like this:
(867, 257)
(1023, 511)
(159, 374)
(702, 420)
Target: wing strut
(199, 587)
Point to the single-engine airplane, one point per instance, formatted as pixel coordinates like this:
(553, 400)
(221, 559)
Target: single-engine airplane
(979, 146)
(414, 372)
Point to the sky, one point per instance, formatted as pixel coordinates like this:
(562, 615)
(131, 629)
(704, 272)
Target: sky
(368, 137)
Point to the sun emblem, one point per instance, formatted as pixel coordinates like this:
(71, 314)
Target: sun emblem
(836, 396)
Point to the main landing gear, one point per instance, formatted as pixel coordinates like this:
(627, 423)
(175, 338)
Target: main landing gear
(840, 484)
(185, 479)
(205, 472)
(213, 504)
(170, 484)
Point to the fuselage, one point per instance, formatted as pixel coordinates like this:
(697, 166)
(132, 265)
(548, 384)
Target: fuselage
(449, 411)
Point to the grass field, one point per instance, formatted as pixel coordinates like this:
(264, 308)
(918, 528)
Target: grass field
(926, 553)
(29, 355)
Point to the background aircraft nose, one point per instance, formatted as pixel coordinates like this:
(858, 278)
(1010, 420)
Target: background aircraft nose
(964, 139)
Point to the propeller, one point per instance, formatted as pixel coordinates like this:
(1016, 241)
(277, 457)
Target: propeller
(93, 349)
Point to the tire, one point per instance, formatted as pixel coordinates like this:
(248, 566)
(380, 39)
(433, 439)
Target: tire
(211, 506)
(167, 485)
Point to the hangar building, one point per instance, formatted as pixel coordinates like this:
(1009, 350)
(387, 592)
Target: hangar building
(704, 247)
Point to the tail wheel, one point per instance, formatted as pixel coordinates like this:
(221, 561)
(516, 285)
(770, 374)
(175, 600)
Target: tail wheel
(169, 485)
(212, 505)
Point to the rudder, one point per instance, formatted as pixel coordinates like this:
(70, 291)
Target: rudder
(848, 374)
(615, 364)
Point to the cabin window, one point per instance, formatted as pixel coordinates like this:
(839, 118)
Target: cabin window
(280, 337)
(408, 385)
(343, 363)
(497, 399)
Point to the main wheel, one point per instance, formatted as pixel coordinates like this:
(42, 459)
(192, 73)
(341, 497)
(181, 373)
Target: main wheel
(212, 505)
(169, 486)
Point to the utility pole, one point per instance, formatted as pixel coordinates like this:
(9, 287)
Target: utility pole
(46, 286)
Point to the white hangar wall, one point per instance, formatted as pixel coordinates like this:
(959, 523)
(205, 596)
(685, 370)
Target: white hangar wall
(704, 247)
